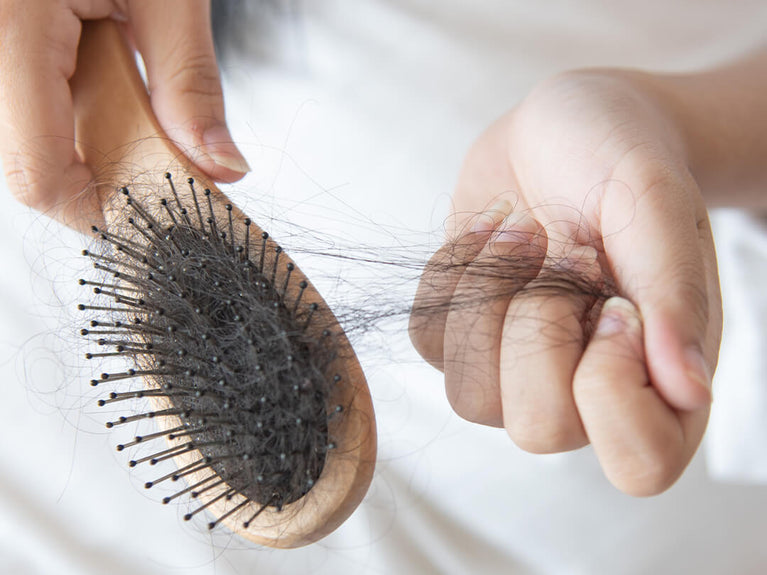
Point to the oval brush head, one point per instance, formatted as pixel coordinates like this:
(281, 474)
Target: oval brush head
(260, 398)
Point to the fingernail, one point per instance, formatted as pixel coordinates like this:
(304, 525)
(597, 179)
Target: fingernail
(488, 220)
(218, 144)
(516, 228)
(618, 315)
(582, 260)
(697, 369)
(580, 257)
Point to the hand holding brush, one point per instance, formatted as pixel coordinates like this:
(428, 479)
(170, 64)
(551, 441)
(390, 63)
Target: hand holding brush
(257, 395)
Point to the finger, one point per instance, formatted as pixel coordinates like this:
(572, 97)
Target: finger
(39, 46)
(543, 339)
(175, 40)
(511, 258)
(440, 278)
(659, 246)
(486, 176)
(642, 443)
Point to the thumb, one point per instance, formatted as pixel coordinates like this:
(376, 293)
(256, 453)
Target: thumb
(642, 443)
(660, 248)
(175, 40)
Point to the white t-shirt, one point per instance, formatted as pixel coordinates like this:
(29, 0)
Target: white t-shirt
(356, 126)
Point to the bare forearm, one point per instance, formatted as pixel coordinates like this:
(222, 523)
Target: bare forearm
(723, 116)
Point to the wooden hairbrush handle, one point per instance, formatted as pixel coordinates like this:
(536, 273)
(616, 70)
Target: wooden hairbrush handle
(118, 136)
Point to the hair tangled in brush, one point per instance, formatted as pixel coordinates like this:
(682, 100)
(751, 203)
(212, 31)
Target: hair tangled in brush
(240, 361)
(223, 335)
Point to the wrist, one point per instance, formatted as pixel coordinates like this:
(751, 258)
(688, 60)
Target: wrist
(721, 116)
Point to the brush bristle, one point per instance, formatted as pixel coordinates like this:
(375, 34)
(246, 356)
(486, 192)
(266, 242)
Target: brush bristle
(216, 326)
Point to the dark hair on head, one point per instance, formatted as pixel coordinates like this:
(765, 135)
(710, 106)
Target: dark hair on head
(249, 25)
(224, 14)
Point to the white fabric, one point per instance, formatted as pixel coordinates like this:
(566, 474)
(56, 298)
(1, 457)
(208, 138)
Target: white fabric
(736, 441)
(361, 131)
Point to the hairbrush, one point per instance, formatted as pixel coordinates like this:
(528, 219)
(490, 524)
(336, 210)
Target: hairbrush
(258, 396)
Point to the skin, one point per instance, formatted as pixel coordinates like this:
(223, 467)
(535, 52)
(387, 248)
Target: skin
(39, 45)
(607, 173)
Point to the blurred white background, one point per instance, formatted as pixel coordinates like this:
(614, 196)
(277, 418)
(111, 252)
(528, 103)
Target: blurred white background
(355, 124)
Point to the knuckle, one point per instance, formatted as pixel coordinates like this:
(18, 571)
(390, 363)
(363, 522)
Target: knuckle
(425, 338)
(475, 405)
(41, 183)
(196, 74)
(692, 288)
(10, 10)
(653, 175)
(536, 432)
(647, 474)
(27, 184)
(30, 192)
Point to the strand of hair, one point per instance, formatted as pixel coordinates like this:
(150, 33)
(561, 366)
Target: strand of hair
(302, 285)
(115, 239)
(231, 228)
(277, 252)
(247, 240)
(148, 415)
(151, 223)
(290, 267)
(176, 475)
(264, 237)
(228, 514)
(144, 438)
(207, 504)
(190, 182)
(169, 211)
(169, 498)
(171, 450)
(102, 285)
(169, 179)
(260, 510)
(313, 307)
(212, 217)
